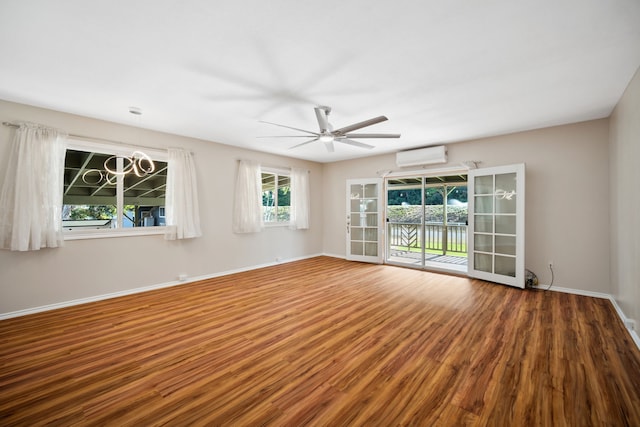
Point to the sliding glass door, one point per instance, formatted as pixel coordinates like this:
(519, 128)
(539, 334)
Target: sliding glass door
(405, 221)
(427, 222)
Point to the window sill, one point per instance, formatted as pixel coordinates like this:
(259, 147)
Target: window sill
(276, 224)
(109, 233)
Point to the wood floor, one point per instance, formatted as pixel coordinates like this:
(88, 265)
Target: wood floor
(323, 342)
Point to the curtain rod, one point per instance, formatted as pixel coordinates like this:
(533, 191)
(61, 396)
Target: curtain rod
(282, 168)
(71, 135)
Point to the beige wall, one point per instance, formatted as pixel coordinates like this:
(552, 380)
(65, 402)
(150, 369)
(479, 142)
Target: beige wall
(567, 214)
(88, 268)
(625, 201)
(567, 187)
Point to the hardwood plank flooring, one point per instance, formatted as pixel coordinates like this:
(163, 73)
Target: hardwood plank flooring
(323, 342)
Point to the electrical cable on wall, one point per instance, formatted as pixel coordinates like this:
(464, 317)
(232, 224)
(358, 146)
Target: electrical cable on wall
(552, 278)
(531, 280)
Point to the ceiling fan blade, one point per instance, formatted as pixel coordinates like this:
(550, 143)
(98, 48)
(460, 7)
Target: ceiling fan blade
(289, 127)
(304, 143)
(360, 125)
(323, 120)
(284, 136)
(355, 143)
(330, 147)
(373, 135)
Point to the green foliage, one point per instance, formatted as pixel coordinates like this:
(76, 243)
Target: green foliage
(433, 196)
(92, 212)
(284, 197)
(268, 199)
(413, 214)
(399, 197)
(87, 212)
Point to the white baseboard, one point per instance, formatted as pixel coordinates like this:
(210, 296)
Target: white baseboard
(125, 292)
(574, 291)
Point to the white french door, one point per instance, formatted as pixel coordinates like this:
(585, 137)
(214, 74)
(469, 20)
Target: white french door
(496, 224)
(364, 220)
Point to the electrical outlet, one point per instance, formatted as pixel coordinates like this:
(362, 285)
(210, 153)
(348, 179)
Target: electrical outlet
(630, 324)
(182, 277)
(550, 264)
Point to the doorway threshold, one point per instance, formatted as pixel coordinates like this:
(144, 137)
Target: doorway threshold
(446, 267)
(456, 264)
(443, 263)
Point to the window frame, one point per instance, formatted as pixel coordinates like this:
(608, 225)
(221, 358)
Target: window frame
(277, 172)
(116, 149)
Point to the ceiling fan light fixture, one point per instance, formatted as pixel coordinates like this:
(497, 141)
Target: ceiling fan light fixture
(326, 138)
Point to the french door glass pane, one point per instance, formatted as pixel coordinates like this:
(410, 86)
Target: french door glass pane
(357, 248)
(506, 182)
(506, 224)
(483, 262)
(483, 242)
(369, 205)
(484, 223)
(484, 184)
(371, 190)
(504, 205)
(371, 249)
(484, 204)
(357, 233)
(371, 234)
(505, 266)
(506, 245)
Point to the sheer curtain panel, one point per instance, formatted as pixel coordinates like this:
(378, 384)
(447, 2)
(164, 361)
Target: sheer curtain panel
(299, 218)
(31, 195)
(182, 210)
(247, 210)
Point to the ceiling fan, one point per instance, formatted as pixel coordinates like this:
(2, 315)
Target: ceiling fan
(328, 135)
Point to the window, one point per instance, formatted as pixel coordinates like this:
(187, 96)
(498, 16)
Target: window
(108, 186)
(276, 196)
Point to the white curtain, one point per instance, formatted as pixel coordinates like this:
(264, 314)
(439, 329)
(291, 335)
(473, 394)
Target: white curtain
(247, 210)
(181, 210)
(31, 195)
(299, 218)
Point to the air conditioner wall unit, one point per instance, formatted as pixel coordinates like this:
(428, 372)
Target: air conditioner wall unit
(422, 156)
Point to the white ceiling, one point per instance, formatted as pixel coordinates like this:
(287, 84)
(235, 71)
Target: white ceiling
(441, 71)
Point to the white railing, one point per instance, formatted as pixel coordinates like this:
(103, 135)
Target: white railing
(452, 237)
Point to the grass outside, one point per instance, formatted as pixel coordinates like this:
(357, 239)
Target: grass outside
(432, 251)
